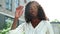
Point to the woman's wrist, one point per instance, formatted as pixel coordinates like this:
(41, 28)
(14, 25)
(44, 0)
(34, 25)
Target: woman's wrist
(16, 17)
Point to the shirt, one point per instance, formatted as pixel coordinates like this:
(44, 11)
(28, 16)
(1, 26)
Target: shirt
(44, 27)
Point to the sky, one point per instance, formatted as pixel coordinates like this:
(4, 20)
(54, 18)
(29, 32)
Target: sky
(51, 8)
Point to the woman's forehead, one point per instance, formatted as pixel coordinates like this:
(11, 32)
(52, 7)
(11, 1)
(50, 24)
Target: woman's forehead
(34, 3)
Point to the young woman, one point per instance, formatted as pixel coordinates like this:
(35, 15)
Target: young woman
(36, 21)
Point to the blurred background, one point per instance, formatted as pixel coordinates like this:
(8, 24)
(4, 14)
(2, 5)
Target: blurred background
(8, 8)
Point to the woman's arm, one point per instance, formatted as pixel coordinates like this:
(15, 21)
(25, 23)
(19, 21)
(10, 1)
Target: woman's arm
(18, 13)
(14, 23)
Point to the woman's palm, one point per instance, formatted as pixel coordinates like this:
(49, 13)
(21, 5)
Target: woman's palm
(19, 11)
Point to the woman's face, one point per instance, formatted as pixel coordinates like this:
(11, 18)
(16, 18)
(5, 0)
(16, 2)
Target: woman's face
(33, 9)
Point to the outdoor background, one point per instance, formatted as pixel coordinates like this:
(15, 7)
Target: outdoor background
(8, 8)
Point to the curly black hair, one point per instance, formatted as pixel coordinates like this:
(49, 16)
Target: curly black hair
(41, 14)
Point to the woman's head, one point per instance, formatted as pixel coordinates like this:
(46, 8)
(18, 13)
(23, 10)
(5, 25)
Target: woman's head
(34, 10)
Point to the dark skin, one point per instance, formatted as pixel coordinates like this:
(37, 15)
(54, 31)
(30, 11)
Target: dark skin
(18, 13)
(33, 12)
(35, 22)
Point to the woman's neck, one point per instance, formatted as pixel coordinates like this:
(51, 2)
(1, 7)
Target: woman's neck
(35, 22)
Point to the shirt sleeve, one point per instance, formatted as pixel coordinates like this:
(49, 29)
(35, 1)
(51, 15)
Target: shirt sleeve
(18, 30)
(12, 32)
(49, 28)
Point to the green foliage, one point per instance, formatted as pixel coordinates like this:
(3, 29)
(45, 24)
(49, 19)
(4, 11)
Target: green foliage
(55, 20)
(7, 26)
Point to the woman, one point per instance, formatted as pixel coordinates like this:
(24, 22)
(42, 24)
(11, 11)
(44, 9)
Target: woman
(36, 21)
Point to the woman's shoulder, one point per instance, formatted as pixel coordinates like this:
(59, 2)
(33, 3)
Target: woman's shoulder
(21, 25)
(46, 22)
(19, 29)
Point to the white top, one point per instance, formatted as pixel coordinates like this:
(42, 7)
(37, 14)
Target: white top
(44, 27)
